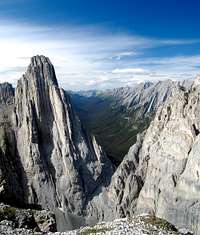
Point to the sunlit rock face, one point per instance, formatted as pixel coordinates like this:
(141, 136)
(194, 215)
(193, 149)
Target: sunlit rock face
(60, 164)
(171, 187)
(160, 174)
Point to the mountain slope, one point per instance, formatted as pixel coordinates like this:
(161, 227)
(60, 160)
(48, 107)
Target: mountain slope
(160, 173)
(171, 186)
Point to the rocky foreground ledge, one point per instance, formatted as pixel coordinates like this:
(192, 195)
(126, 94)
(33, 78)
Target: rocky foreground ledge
(15, 221)
(138, 225)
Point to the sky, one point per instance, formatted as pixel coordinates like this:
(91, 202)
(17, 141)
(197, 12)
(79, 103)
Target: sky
(100, 44)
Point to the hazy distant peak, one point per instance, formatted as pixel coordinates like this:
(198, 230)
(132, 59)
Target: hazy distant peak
(196, 82)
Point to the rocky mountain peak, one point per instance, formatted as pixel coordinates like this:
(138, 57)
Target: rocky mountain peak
(39, 59)
(6, 93)
(147, 84)
(60, 164)
(41, 67)
(196, 82)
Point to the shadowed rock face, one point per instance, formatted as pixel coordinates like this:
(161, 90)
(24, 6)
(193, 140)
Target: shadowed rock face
(60, 164)
(6, 93)
(119, 199)
(10, 177)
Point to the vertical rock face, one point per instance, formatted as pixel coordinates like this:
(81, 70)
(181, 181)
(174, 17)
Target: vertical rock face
(119, 199)
(127, 182)
(6, 93)
(60, 164)
(172, 187)
(10, 177)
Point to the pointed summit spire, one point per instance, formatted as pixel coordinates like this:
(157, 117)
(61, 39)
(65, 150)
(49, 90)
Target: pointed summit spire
(42, 67)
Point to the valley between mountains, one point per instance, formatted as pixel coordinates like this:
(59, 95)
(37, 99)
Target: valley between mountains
(125, 160)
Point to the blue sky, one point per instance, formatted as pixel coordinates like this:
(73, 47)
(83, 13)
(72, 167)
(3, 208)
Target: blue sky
(97, 44)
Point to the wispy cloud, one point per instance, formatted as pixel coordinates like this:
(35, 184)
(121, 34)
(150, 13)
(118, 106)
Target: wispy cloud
(123, 54)
(130, 70)
(89, 57)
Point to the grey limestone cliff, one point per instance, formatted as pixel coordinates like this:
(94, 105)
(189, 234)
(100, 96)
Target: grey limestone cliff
(171, 186)
(60, 164)
(119, 199)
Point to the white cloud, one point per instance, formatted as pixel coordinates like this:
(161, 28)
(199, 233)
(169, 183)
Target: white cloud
(88, 57)
(121, 55)
(130, 70)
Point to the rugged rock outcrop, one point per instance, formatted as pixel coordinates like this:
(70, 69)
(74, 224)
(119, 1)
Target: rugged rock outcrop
(6, 93)
(59, 164)
(137, 225)
(10, 177)
(20, 220)
(119, 199)
(171, 185)
(25, 222)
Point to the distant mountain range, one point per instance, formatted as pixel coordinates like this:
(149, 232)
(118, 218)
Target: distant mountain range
(99, 155)
(116, 116)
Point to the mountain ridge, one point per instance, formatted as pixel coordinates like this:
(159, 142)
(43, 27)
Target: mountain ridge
(49, 160)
